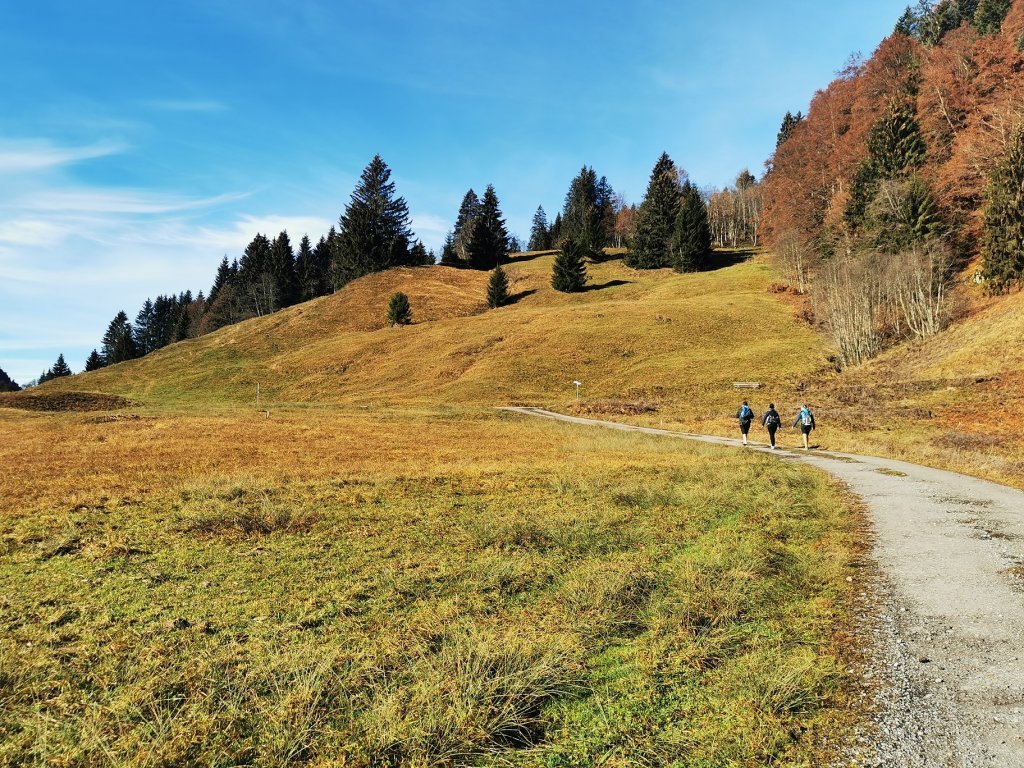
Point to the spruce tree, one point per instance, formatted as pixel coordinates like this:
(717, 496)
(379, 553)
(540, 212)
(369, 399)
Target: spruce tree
(989, 16)
(282, 270)
(656, 218)
(555, 233)
(895, 145)
(221, 278)
(497, 288)
(118, 343)
(7, 384)
(306, 270)
(255, 286)
(488, 245)
(448, 253)
(462, 232)
(582, 213)
(60, 368)
(399, 311)
(540, 234)
(789, 124)
(419, 256)
(94, 362)
(569, 274)
(374, 230)
(691, 239)
(145, 330)
(1003, 233)
(321, 279)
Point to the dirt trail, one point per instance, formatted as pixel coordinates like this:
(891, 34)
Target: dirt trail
(949, 633)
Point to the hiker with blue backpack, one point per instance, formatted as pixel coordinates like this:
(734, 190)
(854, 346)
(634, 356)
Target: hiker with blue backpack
(806, 421)
(745, 416)
(771, 421)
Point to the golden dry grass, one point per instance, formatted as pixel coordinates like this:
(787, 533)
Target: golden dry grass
(349, 586)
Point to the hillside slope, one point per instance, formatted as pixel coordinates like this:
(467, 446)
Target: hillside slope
(651, 337)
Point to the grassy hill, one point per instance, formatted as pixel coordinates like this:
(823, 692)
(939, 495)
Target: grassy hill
(651, 347)
(639, 336)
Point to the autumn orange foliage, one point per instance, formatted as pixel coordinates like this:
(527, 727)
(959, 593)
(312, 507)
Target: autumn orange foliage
(969, 95)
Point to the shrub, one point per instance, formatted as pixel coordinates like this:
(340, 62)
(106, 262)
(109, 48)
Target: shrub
(399, 311)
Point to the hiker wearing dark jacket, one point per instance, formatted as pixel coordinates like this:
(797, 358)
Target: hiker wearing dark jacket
(772, 421)
(745, 416)
(806, 421)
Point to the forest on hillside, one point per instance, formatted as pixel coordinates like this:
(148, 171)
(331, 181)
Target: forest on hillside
(905, 174)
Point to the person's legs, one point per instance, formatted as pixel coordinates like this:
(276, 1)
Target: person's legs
(744, 428)
(806, 431)
(771, 435)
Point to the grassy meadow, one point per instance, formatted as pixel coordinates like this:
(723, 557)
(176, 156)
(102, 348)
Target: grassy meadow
(421, 587)
(377, 568)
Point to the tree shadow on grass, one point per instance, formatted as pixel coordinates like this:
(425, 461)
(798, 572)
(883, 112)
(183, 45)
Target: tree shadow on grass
(519, 258)
(608, 284)
(721, 259)
(516, 297)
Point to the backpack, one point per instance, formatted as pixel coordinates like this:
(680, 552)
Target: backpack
(745, 413)
(772, 419)
(806, 418)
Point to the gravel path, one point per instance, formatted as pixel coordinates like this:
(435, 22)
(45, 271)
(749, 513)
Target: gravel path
(948, 624)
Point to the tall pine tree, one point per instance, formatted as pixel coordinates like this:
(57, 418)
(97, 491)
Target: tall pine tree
(1003, 235)
(118, 342)
(255, 286)
(222, 277)
(691, 238)
(94, 362)
(540, 233)
(60, 368)
(282, 270)
(488, 245)
(656, 218)
(374, 230)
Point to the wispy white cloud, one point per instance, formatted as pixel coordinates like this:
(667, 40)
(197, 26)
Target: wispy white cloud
(187, 105)
(431, 229)
(26, 156)
(114, 201)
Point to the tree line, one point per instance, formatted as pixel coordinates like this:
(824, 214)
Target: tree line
(674, 226)
(906, 167)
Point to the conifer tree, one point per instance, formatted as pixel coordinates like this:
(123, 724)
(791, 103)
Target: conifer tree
(419, 256)
(255, 285)
(582, 213)
(94, 362)
(7, 384)
(895, 149)
(540, 234)
(789, 124)
(569, 274)
(895, 145)
(306, 270)
(118, 343)
(1003, 234)
(60, 368)
(555, 233)
(221, 278)
(462, 232)
(145, 329)
(691, 239)
(182, 327)
(488, 245)
(282, 270)
(989, 16)
(497, 288)
(399, 311)
(448, 254)
(656, 218)
(374, 230)
(322, 264)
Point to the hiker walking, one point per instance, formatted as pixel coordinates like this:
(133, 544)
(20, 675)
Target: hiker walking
(772, 421)
(745, 416)
(806, 421)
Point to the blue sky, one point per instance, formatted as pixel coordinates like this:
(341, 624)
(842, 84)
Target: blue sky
(141, 142)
